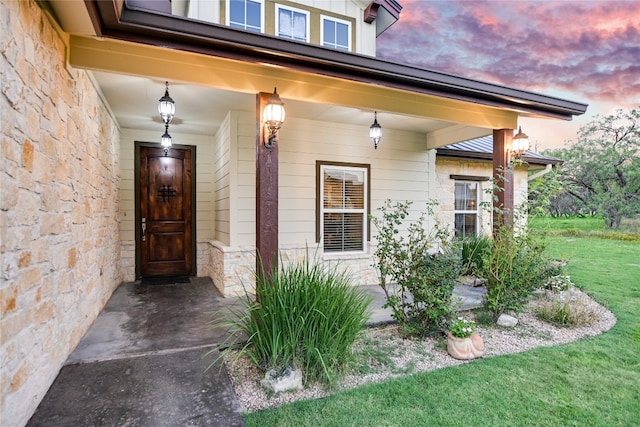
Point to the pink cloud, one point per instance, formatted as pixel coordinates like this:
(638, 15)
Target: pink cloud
(589, 48)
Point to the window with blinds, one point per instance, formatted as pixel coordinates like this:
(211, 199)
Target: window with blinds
(343, 208)
(466, 209)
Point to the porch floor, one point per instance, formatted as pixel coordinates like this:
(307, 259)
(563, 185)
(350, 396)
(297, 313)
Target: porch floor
(143, 360)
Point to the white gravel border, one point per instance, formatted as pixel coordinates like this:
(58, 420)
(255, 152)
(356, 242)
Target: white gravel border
(419, 355)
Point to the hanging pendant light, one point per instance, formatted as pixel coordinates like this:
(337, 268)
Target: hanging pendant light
(375, 131)
(167, 110)
(166, 106)
(165, 140)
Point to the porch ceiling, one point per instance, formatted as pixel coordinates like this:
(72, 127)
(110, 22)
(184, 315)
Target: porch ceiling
(212, 69)
(200, 110)
(131, 77)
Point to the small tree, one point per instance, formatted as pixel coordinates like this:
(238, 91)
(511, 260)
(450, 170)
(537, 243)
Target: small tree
(602, 171)
(417, 269)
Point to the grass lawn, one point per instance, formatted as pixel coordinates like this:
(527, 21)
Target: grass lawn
(595, 381)
(588, 226)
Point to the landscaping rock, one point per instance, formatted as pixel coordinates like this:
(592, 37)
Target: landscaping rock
(290, 379)
(472, 281)
(507, 321)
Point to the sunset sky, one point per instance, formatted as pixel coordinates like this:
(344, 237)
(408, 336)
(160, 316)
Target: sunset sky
(584, 51)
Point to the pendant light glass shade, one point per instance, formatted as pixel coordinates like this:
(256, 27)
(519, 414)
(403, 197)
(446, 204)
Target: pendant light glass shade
(165, 141)
(273, 116)
(375, 131)
(520, 144)
(166, 106)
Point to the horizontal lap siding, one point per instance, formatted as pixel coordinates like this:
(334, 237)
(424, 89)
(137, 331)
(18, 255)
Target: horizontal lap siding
(244, 196)
(222, 182)
(399, 169)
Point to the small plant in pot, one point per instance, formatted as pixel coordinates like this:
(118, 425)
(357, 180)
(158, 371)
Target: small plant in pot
(463, 342)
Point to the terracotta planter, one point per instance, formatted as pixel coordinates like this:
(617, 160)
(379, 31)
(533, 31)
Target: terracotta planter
(465, 348)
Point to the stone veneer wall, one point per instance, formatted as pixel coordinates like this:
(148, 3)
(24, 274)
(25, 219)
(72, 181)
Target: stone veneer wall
(58, 207)
(232, 268)
(445, 188)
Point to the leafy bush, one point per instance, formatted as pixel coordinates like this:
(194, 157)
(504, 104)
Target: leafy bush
(308, 316)
(418, 284)
(514, 268)
(473, 249)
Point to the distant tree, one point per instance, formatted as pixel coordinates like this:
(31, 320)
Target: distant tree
(602, 170)
(543, 194)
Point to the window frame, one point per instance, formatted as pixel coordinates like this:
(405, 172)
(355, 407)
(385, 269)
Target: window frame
(320, 209)
(337, 21)
(262, 12)
(295, 10)
(476, 211)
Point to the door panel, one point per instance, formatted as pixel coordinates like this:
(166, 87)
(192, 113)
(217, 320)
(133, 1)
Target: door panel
(165, 196)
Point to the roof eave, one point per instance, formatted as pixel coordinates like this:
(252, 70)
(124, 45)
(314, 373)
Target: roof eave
(113, 18)
(477, 155)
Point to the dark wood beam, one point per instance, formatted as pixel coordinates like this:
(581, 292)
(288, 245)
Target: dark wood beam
(266, 198)
(503, 178)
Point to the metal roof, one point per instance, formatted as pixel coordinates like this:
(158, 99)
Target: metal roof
(482, 148)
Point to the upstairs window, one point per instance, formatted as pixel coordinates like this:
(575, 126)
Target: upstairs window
(343, 207)
(466, 209)
(335, 33)
(292, 23)
(246, 14)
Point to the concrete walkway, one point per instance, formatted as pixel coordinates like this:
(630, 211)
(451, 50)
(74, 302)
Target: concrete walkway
(144, 360)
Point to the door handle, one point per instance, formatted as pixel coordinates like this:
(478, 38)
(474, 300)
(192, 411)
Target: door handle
(144, 228)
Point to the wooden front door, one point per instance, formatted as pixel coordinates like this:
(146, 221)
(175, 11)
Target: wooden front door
(166, 238)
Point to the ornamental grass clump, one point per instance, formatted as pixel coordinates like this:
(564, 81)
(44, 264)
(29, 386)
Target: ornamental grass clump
(570, 310)
(473, 249)
(306, 316)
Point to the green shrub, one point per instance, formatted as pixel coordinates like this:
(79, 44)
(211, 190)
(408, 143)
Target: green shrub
(514, 268)
(473, 249)
(417, 270)
(308, 316)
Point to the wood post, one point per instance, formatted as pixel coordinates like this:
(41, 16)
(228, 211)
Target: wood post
(503, 178)
(266, 198)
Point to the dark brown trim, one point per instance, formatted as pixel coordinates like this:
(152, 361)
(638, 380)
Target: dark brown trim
(366, 166)
(458, 154)
(469, 178)
(503, 177)
(143, 26)
(371, 12)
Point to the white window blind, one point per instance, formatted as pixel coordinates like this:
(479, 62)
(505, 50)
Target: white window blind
(292, 23)
(344, 204)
